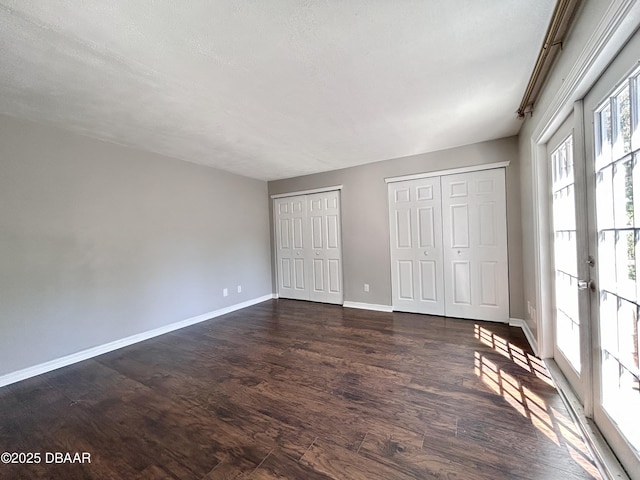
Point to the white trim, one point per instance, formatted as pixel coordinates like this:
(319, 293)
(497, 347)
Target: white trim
(307, 192)
(618, 23)
(621, 19)
(123, 342)
(368, 306)
(604, 457)
(451, 171)
(542, 249)
(520, 323)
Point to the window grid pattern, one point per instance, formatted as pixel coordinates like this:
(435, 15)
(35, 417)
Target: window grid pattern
(617, 135)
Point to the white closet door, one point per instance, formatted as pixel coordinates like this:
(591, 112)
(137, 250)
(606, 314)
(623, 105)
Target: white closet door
(325, 247)
(309, 247)
(475, 245)
(292, 240)
(416, 246)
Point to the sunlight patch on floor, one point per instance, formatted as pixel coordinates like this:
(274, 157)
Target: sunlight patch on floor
(514, 353)
(549, 421)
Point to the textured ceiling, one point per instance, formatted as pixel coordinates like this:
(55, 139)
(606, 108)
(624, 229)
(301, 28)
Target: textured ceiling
(272, 89)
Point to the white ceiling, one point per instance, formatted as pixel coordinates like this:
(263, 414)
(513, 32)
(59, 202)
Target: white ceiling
(277, 88)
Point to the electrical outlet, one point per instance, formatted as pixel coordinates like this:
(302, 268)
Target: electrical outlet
(225, 292)
(366, 287)
(239, 288)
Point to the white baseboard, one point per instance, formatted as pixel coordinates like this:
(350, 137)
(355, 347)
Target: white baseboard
(368, 306)
(519, 322)
(123, 342)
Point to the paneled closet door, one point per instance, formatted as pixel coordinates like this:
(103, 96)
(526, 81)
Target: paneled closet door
(292, 249)
(416, 246)
(475, 245)
(309, 247)
(325, 247)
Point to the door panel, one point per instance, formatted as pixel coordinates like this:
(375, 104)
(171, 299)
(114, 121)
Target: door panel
(286, 272)
(333, 237)
(428, 281)
(403, 228)
(415, 223)
(489, 284)
(299, 274)
(285, 229)
(475, 251)
(334, 277)
(487, 225)
(325, 250)
(459, 226)
(316, 231)
(291, 248)
(461, 283)
(426, 227)
(405, 275)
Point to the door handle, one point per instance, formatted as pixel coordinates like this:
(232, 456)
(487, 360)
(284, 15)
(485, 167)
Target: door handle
(584, 284)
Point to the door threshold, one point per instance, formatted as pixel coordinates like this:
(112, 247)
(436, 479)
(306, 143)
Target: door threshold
(605, 459)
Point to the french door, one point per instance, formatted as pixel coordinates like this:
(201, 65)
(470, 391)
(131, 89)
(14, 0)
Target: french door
(570, 261)
(595, 196)
(613, 147)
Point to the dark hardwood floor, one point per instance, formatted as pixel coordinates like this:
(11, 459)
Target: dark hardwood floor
(298, 390)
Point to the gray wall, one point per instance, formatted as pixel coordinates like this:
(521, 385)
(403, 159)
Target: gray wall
(99, 242)
(365, 217)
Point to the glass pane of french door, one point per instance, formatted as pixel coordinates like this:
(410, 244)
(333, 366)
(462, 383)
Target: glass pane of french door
(569, 246)
(617, 196)
(567, 332)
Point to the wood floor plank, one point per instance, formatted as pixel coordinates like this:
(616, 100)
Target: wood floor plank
(337, 462)
(291, 390)
(278, 466)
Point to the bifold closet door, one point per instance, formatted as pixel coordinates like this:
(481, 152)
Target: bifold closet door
(309, 247)
(416, 246)
(292, 240)
(325, 247)
(476, 275)
(448, 238)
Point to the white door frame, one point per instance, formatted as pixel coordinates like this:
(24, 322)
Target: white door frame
(450, 171)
